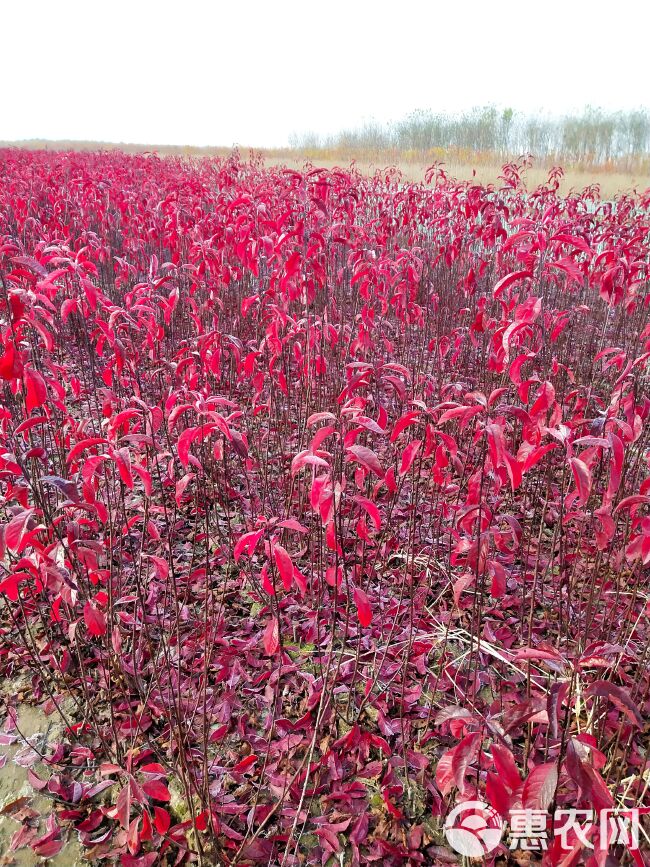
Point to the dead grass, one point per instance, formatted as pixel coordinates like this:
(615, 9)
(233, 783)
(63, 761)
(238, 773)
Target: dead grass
(486, 172)
(611, 183)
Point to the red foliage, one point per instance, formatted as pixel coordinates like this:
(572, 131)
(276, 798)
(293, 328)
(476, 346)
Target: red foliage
(327, 498)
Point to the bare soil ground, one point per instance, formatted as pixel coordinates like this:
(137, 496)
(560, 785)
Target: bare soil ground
(16, 794)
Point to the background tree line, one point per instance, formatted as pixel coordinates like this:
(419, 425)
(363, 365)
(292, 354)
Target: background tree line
(595, 137)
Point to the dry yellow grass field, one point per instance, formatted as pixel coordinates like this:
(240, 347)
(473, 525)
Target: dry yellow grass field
(483, 169)
(611, 183)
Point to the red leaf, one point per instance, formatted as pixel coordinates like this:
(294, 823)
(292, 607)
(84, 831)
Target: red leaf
(271, 637)
(402, 423)
(300, 580)
(153, 768)
(616, 464)
(123, 460)
(408, 456)
(371, 509)
(10, 586)
(574, 240)
(16, 530)
(464, 753)
(35, 781)
(49, 849)
(304, 458)
(506, 768)
(94, 619)
(146, 833)
(156, 789)
(537, 454)
(461, 584)
(629, 502)
(246, 544)
(123, 807)
(364, 612)
(246, 763)
(508, 280)
(218, 733)
(147, 860)
(145, 476)
(513, 468)
(161, 566)
(497, 796)
(36, 392)
(162, 820)
(133, 836)
(498, 585)
(68, 307)
(444, 775)
(592, 787)
(239, 445)
(544, 399)
(359, 830)
(181, 487)
(451, 712)
(524, 711)
(367, 458)
(582, 476)
(183, 445)
(82, 446)
(538, 653)
(201, 822)
(285, 565)
(292, 524)
(69, 489)
(11, 366)
(539, 788)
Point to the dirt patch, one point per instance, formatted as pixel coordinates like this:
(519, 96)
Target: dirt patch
(34, 731)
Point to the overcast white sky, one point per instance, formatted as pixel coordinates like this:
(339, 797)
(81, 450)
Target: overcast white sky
(251, 73)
